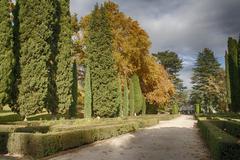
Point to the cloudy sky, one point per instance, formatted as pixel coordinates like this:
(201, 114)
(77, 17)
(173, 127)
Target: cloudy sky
(183, 26)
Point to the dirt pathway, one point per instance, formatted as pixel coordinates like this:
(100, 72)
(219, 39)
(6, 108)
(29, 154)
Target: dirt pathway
(176, 139)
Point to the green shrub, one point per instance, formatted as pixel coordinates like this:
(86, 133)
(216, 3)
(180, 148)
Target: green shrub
(222, 145)
(9, 117)
(232, 128)
(197, 109)
(3, 140)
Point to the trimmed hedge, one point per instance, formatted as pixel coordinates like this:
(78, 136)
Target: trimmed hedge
(222, 145)
(39, 145)
(3, 142)
(232, 128)
(9, 117)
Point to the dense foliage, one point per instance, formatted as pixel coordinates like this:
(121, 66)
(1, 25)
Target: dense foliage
(125, 99)
(7, 59)
(102, 69)
(88, 95)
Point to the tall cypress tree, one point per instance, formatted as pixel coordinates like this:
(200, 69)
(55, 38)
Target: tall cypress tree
(102, 66)
(64, 75)
(138, 100)
(131, 99)
(35, 19)
(120, 98)
(73, 107)
(144, 106)
(7, 59)
(233, 69)
(125, 99)
(228, 87)
(88, 95)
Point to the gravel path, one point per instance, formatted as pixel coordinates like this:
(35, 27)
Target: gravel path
(177, 139)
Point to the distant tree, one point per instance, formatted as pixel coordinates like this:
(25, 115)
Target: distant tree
(35, 39)
(88, 95)
(125, 99)
(7, 59)
(206, 66)
(100, 60)
(173, 64)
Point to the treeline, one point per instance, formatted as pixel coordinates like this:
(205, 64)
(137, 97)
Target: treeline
(36, 59)
(38, 69)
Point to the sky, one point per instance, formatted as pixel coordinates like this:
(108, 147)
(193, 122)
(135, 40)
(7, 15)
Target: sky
(182, 26)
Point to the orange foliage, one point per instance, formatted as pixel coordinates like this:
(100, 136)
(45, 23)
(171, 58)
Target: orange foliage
(131, 53)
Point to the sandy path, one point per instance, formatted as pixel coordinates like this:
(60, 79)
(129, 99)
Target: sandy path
(176, 139)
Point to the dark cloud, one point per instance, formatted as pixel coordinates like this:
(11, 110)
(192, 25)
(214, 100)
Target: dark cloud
(185, 26)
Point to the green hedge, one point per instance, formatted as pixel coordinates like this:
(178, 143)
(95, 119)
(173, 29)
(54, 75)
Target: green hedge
(40, 145)
(3, 142)
(232, 128)
(222, 145)
(9, 117)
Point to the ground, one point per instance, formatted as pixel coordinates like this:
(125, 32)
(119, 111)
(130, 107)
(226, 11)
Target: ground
(177, 139)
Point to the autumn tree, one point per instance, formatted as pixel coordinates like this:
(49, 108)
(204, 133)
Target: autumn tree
(7, 59)
(131, 54)
(100, 60)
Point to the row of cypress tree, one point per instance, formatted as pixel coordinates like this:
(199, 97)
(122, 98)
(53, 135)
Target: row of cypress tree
(37, 56)
(232, 67)
(103, 87)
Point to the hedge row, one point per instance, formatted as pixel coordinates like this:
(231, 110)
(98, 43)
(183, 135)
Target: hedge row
(222, 145)
(231, 127)
(9, 117)
(39, 145)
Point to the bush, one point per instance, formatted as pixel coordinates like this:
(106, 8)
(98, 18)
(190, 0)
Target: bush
(222, 145)
(9, 117)
(232, 128)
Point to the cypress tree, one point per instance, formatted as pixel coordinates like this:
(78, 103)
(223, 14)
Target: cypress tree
(88, 95)
(7, 60)
(64, 75)
(131, 99)
(73, 107)
(125, 99)
(120, 98)
(234, 74)
(35, 19)
(102, 65)
(144, 106)
(137, 94)
(228, 87)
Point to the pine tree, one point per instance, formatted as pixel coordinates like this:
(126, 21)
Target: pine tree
(131, 99)
(7, 59)
(206, 66)
(101, 63)
(233, 71)
(35, 19)
(64, 75)
(137, 94)
(125, 99)
(73, 107)
(88, 95)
